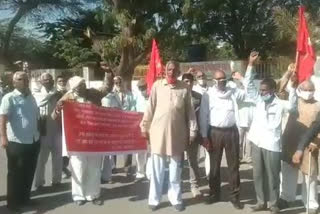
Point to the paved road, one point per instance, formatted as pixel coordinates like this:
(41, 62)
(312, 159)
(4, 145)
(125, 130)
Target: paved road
(128, 197)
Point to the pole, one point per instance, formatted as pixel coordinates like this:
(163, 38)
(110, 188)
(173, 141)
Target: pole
(309, 179)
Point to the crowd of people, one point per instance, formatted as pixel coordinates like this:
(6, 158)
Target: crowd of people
(260, 124)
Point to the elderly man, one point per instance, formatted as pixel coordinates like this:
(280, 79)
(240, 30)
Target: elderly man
(86, 169)
(170, 123)
(50, 139)
(192, 148)
(308, 110)
(218, 116)
(19, 117)
(265, 134)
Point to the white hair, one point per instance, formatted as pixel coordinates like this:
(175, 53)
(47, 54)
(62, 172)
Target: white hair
(306, 82)
(43, 75)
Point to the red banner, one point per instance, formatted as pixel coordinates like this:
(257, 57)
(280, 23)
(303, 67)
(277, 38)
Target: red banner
(91, 129)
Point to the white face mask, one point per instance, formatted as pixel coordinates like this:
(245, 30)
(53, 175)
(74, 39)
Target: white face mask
(306, 95)
(61, 88)
(202, 82)
(266, 97)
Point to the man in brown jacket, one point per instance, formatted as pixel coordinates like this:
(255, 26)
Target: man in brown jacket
(296, 157)
(170, 123)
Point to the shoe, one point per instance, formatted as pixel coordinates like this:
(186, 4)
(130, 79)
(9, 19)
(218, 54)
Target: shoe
(212, 199)
(237, 205)
(80, 202)
(153, 207)
(110, 181)
(66, 173)
(179, 207)
(196, 192)
(97, 202)
(114, 171)
(283, 204)
(259, 207)
(274, 210)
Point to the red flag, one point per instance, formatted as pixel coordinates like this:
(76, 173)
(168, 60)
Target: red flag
(155, 66)
(305, 53)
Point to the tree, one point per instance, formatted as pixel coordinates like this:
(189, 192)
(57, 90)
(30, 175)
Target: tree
(286, 22)
(245, 24)
(33, 8)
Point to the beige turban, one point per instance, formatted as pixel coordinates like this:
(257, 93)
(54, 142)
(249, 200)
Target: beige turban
(75, 81)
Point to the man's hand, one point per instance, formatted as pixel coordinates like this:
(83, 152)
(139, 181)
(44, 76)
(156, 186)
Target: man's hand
(4, 142)
(59, 107)
(294, 80)
(253, 57)
(145, 135)
(297, 157)
(313, 147)
(292, 68)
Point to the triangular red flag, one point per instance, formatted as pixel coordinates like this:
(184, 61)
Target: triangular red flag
(306, 57)
(155, 66)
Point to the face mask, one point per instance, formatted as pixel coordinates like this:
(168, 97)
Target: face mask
(171, 80)
(306, 95)
(201, 82)
(266, 97)
(61, 88)
(220, 85)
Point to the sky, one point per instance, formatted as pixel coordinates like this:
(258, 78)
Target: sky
(29, 25)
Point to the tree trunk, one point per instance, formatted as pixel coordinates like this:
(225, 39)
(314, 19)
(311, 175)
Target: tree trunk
(7, 38)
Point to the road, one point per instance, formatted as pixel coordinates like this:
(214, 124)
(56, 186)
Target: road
(125, 196)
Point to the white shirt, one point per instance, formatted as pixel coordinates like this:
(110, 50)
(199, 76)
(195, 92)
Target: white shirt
(219, 109)
(266, 128)
(201, 90)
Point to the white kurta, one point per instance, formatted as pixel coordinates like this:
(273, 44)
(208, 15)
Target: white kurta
(86, 175)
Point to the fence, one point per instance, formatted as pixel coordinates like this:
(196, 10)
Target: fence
(270, 68)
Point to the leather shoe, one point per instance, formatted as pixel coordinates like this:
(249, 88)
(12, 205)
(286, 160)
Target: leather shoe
(97, 202)
(237, 205)
(259, 207)
(179, 207)
(282, 204)
(212, 199)
(153, 207)
(80, 202)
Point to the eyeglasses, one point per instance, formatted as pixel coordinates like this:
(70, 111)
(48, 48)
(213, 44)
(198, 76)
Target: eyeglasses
(200, 76)
(117, 83)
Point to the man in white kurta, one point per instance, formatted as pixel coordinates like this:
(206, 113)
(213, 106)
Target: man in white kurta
(50, 139)
(170, 123)
(86, 169)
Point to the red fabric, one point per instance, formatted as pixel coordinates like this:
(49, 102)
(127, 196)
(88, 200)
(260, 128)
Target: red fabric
(305, 53)
(171, 80)
(89, 129)
(155, 66)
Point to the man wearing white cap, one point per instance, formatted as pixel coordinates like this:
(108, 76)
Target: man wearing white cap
(85, 169)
